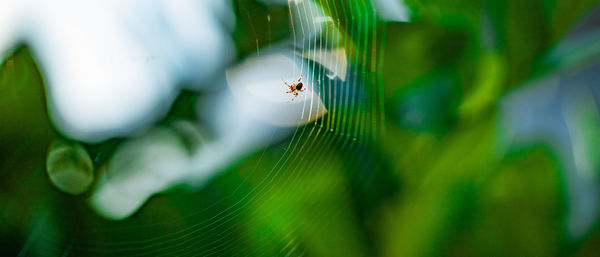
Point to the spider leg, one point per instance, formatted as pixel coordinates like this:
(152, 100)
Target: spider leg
(286, 83)
(300, 79)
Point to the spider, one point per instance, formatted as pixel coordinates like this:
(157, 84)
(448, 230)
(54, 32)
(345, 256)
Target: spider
(295, 87)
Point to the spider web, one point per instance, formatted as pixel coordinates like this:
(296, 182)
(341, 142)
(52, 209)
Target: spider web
(304, 196)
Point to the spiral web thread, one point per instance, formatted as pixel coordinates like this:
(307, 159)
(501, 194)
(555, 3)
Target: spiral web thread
(337, 141)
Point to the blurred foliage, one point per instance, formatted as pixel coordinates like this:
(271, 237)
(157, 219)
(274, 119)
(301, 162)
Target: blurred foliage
(431, 183)
(443, 75)
(26, 194)
(258, 25)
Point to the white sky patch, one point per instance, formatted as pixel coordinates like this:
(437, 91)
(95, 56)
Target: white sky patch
(11, 15)
(392, 10)
(335, 60)
(113, 67)
(258, 84)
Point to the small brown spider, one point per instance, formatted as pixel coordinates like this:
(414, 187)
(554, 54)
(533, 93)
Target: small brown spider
(295, 87)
